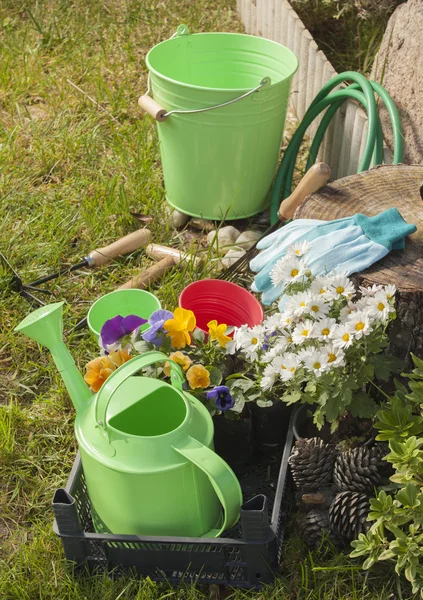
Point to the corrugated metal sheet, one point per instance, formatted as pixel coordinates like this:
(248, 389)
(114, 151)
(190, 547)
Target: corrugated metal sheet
(345, 139)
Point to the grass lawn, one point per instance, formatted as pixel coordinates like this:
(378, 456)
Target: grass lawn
(69, 176)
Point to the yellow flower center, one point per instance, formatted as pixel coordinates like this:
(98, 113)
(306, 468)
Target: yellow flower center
(381, 306)
(325, 331)
(294, 272)
(346, 337)
(317, 365)
(322, 291)
(302, 303)
(388, 296)
(254, 340)
(288, 320)
(340, 289)
(298, 252)
(315, 308)
(304, 332)
(359, 326)
(283, 367)
(331, 357)
(292, 369)
(289, 340)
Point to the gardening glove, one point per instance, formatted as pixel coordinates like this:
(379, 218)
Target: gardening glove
(349, 245)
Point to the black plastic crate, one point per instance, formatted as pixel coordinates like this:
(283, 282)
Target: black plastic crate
(246, 556)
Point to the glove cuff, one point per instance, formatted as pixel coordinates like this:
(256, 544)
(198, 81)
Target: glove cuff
(387, 228)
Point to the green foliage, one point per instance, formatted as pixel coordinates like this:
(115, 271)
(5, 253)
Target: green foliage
(396, 533)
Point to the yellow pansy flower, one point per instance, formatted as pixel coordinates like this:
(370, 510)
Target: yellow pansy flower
(198, 377)
(98, 370)
(217, 332)
(180, 358)
(180, 326)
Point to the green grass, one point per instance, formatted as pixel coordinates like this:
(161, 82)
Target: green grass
(69, 177)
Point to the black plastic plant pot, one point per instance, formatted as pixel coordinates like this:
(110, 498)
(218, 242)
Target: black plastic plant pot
(234, 440)
(304, 427)
(271, 424)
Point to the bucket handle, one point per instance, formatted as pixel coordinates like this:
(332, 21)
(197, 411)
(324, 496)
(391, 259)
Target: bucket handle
(221, 476)
(154, 109)
(118, 377)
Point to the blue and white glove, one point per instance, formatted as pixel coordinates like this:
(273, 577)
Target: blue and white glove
(350, 245)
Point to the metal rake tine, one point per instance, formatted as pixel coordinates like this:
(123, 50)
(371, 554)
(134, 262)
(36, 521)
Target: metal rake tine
(28, 296)
(27, 286)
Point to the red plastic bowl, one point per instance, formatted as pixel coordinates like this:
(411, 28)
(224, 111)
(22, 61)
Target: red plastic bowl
(226, 302)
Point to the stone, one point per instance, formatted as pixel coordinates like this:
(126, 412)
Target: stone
(232, 256)
(202, 224)
(399, 68)
(223, 238)
(176, 219)
(247, 239)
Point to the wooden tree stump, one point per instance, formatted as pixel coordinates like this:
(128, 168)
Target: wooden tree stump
(370, 193)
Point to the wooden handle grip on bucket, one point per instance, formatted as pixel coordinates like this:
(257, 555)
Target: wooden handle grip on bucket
(316, 177)
(152, 108)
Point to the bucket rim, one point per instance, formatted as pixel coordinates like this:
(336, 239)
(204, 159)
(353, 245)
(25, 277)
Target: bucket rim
(217, 89)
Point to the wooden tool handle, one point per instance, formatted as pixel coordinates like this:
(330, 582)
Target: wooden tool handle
(143, 279)
(127, 244)
(152, 108)
(315, 178)
(158, 252)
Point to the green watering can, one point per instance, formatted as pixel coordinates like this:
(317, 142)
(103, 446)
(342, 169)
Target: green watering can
(146, 446)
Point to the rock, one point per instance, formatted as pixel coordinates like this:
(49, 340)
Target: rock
(232, 256)
(202, 224)
(247, 239)
(176, 219)
(223, 238)
(399, 67)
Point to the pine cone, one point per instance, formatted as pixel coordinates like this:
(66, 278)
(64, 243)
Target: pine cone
(348, 514)
(314, 527)
(311, 463)
(357, 470)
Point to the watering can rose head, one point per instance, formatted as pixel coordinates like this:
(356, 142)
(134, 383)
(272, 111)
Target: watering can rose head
(119, 327)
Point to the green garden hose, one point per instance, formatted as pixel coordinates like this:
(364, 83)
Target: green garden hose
(361, 90)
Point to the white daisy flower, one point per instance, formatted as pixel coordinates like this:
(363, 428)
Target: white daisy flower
(324, 328)
(348, 310)
(298, 249)
(287, 318)
(303, 331)
(316, 362)
(335, 355)
(299, 304)
(320, 286)
(277, 350)
(287, 270)
(230, 347)
(273, 322)
(379, 306)
(341, 286)
(370, 291)
(269, 377)
(342, 336)
(389, 291)
(250, 340)
(318, 308)
(359, 324)
(286, 366)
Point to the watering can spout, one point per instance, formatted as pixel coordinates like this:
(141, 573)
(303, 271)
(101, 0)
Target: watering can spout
(45, 326)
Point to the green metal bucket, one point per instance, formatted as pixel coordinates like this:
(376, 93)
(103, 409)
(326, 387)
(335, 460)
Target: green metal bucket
(219, 161)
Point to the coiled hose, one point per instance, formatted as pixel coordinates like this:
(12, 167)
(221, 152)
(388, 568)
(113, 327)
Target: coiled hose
(362, 90)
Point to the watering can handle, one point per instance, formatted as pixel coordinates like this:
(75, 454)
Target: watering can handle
(221, 476)
(118, 377)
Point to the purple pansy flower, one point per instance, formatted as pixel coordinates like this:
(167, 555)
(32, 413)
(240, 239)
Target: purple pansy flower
(114, 329)
(221, 397)
(155, 333)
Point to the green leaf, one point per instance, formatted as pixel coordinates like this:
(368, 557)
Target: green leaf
(417, 361)
(408, 495)
(198, 335)
(291, 398)
(215, 375)
(362, 405)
